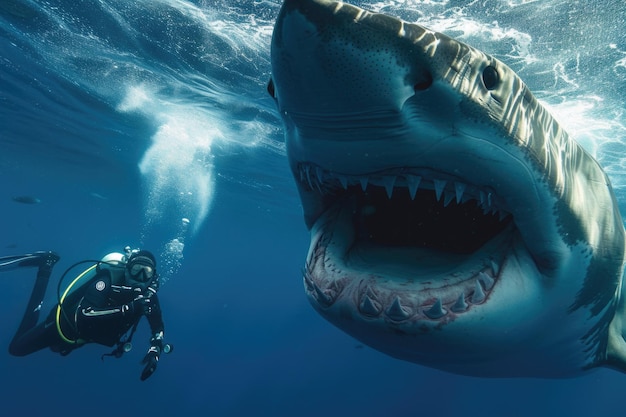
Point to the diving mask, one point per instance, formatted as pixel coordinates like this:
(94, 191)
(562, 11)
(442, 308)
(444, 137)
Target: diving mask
(137, 269)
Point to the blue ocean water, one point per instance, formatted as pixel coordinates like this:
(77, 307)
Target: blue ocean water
(124, 118)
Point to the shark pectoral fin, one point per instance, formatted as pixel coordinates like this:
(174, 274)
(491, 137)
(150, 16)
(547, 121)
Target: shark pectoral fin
(616, 345)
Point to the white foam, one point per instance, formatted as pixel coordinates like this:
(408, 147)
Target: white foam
(135, 98)
(177, 166)
(620, 65)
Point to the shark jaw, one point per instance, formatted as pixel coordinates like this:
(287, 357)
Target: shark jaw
(405, 247)
(423, 267)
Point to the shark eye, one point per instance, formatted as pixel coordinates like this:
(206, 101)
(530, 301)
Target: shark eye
(490, 78)
(270, 88)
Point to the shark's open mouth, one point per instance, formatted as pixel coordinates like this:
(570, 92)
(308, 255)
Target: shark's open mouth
(408, 244)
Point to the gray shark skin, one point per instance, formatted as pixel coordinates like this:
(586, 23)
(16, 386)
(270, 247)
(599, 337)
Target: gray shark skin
(453, 222)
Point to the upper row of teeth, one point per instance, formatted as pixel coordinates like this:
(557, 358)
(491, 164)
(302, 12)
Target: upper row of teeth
(448, 190)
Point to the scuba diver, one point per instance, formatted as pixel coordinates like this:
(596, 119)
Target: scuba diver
(103, 305)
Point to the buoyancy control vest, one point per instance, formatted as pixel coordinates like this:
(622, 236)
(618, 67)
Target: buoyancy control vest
(65, 312)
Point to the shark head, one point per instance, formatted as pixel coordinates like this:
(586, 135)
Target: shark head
(453, 221)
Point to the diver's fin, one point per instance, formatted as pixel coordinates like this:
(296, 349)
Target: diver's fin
(37, 259)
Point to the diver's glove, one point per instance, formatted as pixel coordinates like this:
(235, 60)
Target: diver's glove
(145, 304)
(139, 304)
(152, 357)
(150, 360)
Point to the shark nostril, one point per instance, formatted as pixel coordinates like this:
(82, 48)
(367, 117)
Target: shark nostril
(424, 83)
(270, 88)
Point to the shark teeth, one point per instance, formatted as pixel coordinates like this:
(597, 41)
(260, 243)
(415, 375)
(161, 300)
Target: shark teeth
(343, 180)
(389, 182)
(436, 311)
(323, 297)
(396, 311)
(447, 189)
(486, 280)
(495, 268)
(413, 183)
(439, 186)
(319, 175)
(459, 188)
(369, 307)
(460, 305)
(307, 174)
(371, 303)
(363, 181)
(479, 295)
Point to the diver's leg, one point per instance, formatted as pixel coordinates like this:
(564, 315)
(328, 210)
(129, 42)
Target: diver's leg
(20, 343)
(43, 335)
(30, 259)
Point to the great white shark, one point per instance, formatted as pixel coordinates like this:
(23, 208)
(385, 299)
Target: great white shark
(453, 222)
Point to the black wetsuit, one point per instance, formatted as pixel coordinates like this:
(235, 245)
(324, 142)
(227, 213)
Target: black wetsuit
(101, 311)
(100, 315)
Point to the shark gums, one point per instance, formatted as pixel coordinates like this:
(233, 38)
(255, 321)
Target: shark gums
(453, 222)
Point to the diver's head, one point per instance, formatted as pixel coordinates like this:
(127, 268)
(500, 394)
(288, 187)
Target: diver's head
(141, 266)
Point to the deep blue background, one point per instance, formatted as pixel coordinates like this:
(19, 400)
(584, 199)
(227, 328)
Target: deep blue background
(247, 343)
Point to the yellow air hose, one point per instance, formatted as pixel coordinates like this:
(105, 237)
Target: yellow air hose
(60, 305)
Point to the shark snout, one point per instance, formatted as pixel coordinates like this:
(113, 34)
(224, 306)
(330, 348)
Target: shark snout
(323, 67)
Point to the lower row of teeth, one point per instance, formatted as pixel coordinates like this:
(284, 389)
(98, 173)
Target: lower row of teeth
(399, 312)
(371, 306)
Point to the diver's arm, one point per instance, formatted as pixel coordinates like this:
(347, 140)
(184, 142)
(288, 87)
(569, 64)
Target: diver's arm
(155, 319)
(91, 311)
(96, 303)
(154, 316)
(136, 307)
(152, 308)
